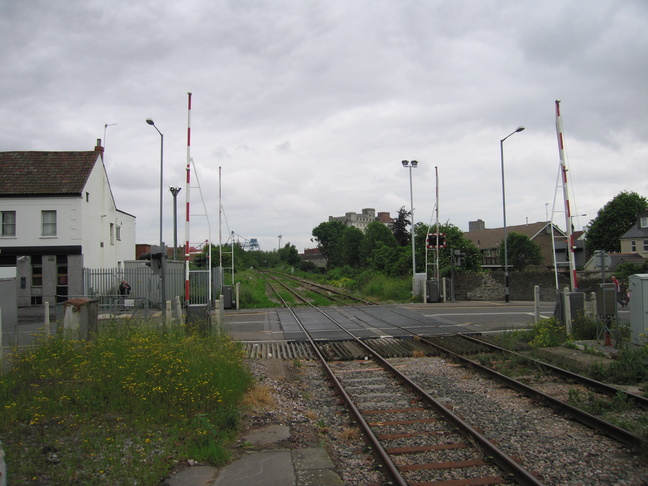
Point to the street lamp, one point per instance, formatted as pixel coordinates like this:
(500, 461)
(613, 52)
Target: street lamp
(162, 276)
(175, 191)
(506, 269)
(412, 165)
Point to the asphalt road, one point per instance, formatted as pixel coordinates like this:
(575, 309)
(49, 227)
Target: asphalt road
(483, 317)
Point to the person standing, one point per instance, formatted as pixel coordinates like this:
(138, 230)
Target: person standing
(618, 291)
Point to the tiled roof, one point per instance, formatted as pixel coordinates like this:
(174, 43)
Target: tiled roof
(45, 173)
(491, 238)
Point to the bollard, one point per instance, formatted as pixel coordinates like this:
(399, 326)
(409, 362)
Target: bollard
(568, 316)
(238, 293)
(536, 300)
(167, 313)
(47, 318)
(178, 310)
(3, 467)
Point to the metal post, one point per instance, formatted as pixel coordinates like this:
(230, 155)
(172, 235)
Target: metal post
(412, 165)
(506, 268)
(163, 249)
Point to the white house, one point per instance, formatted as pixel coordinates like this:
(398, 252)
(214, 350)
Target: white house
(57, 216)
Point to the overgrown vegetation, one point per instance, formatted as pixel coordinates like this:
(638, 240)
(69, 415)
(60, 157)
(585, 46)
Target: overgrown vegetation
(121, 409)
(629, 366)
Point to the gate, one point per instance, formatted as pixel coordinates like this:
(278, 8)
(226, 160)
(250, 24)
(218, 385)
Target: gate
(199, 287)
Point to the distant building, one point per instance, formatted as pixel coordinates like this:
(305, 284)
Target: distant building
(489, 240)
(362, 220)
(315, 256)
(57, 216)
(635, 240)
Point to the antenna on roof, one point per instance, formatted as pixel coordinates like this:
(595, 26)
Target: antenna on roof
(106, 125)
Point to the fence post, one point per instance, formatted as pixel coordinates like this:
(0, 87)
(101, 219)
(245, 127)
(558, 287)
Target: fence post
(591, 307)
(536, 301)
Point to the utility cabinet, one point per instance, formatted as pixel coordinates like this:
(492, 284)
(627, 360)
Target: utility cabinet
(639, 308)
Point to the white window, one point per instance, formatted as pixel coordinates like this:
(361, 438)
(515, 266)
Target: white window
(112, 233)
(633, 246)
(49, 223)
(645, 245)
(118, 233)
(643, 222)
(8, 223)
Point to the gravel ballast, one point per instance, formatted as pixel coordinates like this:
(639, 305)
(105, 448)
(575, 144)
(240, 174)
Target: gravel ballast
(558, 451)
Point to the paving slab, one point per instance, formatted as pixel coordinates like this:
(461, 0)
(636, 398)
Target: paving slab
(271, 468)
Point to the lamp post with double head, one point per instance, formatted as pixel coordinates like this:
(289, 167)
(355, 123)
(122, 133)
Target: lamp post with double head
(175, 191)
(506, 268)
(412, 165)
(162, 276)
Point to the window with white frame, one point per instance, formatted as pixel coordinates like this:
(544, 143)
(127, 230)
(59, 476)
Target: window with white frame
(633, 246)
(118, 232)
(645, 246)
(48, 222)
(8, 223)
(112, 233)
(643, 222)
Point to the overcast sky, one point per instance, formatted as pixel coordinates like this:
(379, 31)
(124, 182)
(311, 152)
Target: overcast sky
(309, 106)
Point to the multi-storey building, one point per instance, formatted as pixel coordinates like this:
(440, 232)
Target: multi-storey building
(362, 220)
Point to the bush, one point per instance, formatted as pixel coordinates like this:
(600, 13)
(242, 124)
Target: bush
(548, 333)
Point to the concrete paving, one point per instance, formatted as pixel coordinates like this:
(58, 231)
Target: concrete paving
(272, 467)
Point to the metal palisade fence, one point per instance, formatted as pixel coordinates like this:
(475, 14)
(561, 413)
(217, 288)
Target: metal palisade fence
(145, 287)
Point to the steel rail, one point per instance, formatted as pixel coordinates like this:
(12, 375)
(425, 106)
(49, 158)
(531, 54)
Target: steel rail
(611, 430)
(389, 468)
(595, 384)
(496, 455)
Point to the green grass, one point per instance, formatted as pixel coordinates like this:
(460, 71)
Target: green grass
(122, 409)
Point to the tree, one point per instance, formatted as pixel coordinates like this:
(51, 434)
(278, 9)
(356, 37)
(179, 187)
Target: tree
(399, 227)
(521, 251)
(327, 235)
(350, 246)
(289, 254)
(613, 220)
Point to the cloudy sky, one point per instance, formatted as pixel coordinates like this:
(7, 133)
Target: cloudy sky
(309, 106)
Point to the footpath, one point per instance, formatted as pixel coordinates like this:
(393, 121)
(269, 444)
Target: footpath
(310, 466)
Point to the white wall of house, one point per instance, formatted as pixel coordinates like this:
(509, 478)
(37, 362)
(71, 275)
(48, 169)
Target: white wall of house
(107, 235)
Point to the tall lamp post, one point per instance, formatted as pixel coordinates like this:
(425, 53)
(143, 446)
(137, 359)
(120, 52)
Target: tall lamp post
(162, 276)
(506, 269)
(412, 165)
(175, 191)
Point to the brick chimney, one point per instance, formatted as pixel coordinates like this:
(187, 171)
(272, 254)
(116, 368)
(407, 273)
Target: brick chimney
(98, 147)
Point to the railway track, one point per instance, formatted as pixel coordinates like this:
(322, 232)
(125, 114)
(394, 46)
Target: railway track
(415, 439)
(332, 294)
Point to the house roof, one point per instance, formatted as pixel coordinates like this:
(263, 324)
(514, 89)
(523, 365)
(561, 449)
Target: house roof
(45, 173)
(491, 238)
(636, 231)
(617, 259)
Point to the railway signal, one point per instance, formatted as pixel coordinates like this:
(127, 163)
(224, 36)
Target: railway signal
(436, 240)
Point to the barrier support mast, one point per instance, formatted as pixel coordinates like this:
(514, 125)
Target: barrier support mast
(188, 199)
(570, 247)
